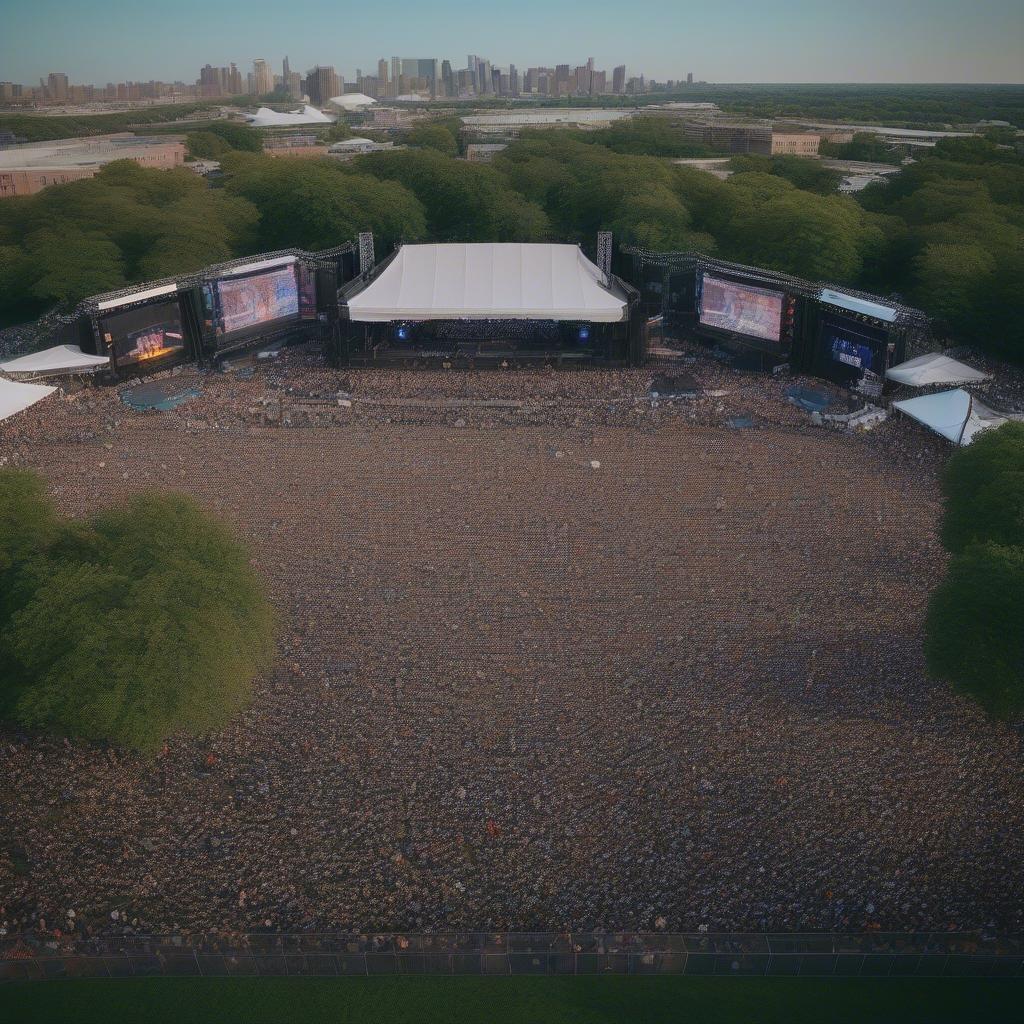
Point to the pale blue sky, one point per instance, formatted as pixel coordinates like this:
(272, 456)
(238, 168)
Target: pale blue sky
(720, 41)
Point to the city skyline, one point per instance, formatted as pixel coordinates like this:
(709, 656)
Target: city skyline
(895, 41)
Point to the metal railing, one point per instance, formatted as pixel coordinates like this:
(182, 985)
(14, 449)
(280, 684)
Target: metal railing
(876, 954)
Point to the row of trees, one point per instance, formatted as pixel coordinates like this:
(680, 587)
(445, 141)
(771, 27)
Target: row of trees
(143, 620)
(975, 626)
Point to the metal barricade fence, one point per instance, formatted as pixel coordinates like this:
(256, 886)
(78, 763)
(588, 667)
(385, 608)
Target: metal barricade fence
(938, 954)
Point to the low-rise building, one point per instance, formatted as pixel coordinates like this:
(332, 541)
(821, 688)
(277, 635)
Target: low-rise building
(795, 143)
(27, 169)
(483, 152)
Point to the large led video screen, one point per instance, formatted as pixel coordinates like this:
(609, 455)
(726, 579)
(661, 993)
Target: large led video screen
(741, 308)
(854, 344)
(258, 299)
(148, 332)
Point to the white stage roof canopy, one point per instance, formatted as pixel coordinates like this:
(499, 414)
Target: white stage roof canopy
(267, 118)
(934, 368)
(59, 359)
(17, 397)
(488, 281)
(947, 412)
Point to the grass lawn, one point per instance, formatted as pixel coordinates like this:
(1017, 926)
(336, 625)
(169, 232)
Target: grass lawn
(601, 1000)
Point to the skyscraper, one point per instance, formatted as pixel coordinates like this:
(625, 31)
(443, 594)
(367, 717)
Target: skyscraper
(323, 84)
(619, 79)
(57, 86)
(689, 78)
(262, 76)
(382, 78)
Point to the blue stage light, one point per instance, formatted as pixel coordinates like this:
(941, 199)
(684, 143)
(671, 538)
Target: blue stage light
(584, 333)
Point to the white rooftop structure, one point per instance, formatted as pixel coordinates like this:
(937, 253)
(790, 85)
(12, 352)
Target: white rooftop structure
(267, 118)
(548, 116)
(956, 415)
(353, 101)
(855, 304)
(934, 368)
(15, 397)
(489, 281)
(56, 360)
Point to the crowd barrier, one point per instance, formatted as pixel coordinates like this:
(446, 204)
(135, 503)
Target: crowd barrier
(876, 954)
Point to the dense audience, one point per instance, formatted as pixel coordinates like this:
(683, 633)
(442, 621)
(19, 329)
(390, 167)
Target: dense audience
(556, 654)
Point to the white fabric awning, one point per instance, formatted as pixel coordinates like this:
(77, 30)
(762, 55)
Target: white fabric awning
(953, 414)
(127, 300)
(59, 359)
(934, 368)
(855, 304)
(267, 118)
(15, 397)
(488, 281)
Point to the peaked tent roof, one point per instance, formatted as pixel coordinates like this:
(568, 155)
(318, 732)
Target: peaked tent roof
(934, 368)
(489, 281)
(953, 414)
(353, 100)
(267, 118)
(15, 397)
(59, 359)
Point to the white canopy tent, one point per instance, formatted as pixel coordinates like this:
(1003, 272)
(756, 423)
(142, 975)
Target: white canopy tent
(956, 415)
(267, 118)
(57, 360)
(934, 368)
(15, 397)
(353, 101)
(489, 281)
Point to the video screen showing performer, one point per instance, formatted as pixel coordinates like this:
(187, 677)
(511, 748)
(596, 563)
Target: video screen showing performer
(257, 299)
(150, 332)
(741, 308)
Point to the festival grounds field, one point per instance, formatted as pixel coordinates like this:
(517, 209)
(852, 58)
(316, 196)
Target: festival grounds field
(578, 662)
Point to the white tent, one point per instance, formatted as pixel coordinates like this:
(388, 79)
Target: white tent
(16, 397)
(59, 359)
(489, 280)
(934, 368)
(267, 118)
(353, 101)
(956, 415)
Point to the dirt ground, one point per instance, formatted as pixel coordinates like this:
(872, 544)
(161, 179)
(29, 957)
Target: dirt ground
(585, 660)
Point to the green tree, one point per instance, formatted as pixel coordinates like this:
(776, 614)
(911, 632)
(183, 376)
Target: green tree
(206, 145)
(144, 621)
(983, 486)
(434, 136)
(975, 638)
(317, 204)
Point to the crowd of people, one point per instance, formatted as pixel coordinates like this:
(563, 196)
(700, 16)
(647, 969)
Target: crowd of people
(555, 654)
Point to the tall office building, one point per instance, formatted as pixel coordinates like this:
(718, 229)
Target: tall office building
(322, 84)
(382, 78)
(689, 78)
(513, 80)
(396, 72)
(619, 79)
(262, 76)
(447, 79)
(232, 78)
(561, 80)
(57, 86)
(285, 71)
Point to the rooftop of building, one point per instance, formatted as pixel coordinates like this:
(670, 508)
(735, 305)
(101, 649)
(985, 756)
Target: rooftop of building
(97, 149)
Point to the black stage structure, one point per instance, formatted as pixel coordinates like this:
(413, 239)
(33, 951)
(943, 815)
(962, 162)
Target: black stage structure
(760, 319)
(468, 338)
(211, 313)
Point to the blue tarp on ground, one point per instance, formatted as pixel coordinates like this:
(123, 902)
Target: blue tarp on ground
(161, 395)
(806, 398)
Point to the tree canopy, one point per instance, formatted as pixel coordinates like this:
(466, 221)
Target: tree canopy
(984, 490)
(144, 620)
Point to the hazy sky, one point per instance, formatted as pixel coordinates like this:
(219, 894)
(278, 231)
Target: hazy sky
(720, 41)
